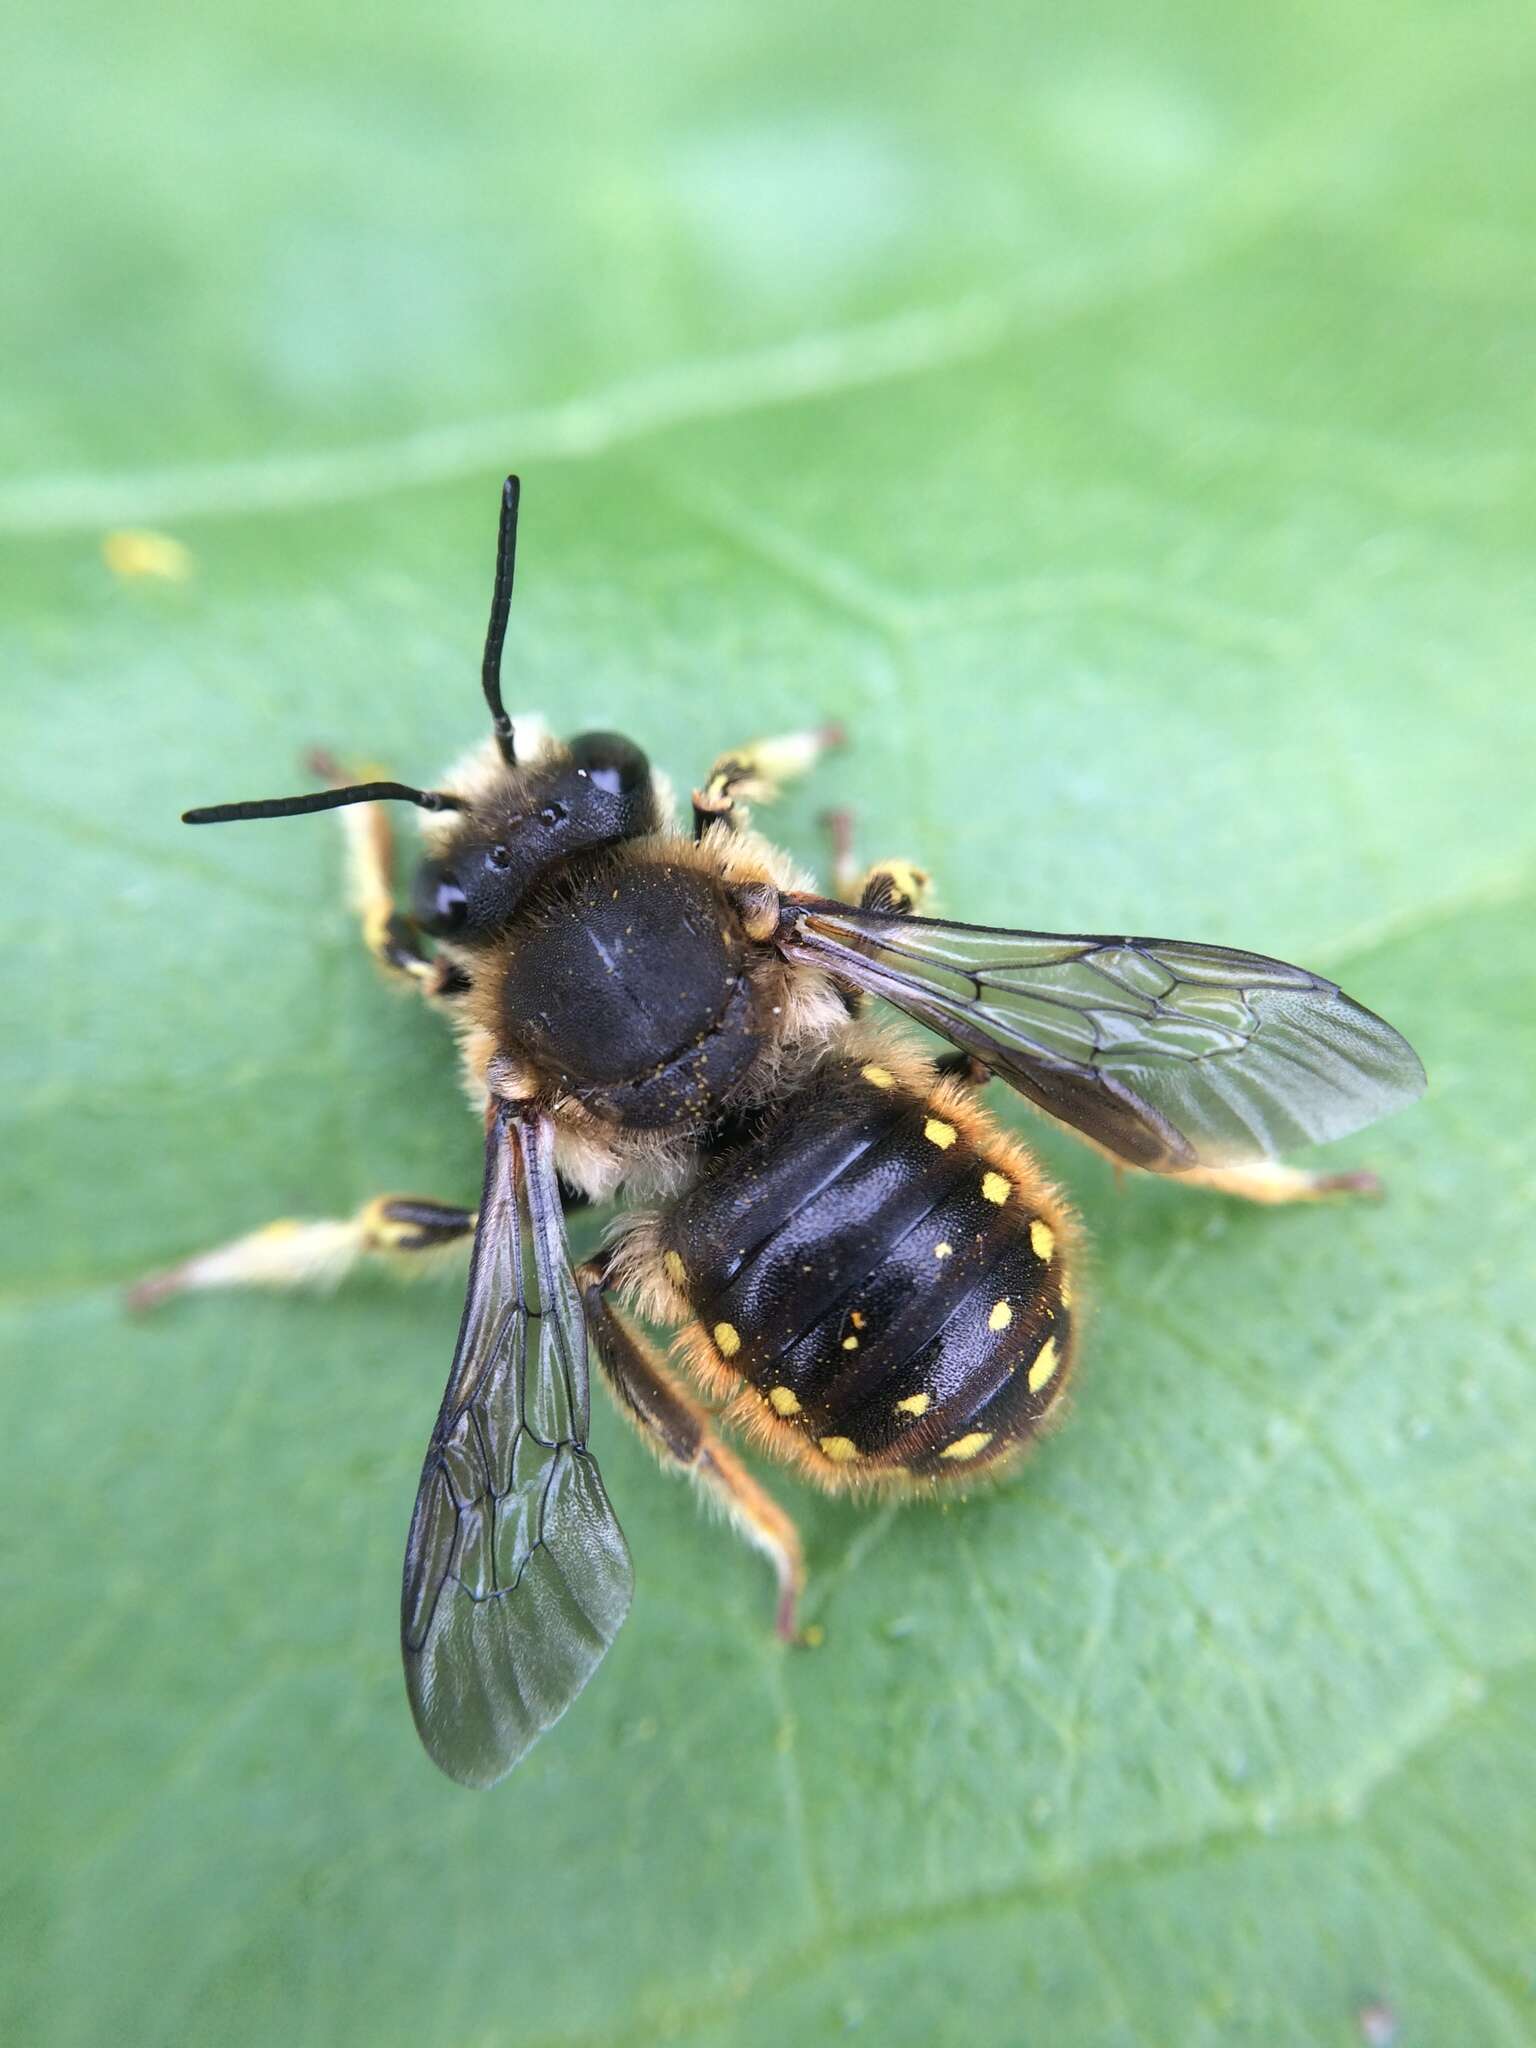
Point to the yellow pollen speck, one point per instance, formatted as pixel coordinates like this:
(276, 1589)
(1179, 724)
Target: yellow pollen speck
(784, 1400)
(965, 1447)
(842, 1450)
(1044, 1366)
(996, 1189)
(136, 551)
(674, 1268)
(850, 1343)
(939, 1133)
(943, 1251)
(914, 1404)
(1043, 1238)
(857, 1317)
(728, 1337)
(1001, 1316)
(878, 1077)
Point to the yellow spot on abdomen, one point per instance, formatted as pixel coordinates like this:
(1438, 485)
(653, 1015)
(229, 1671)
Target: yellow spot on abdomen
(996, 1188)
(1044, 1368)
(939, 1133)
(842, 1450)
(1001, 1316)
(943, 1250)
(784, 1400)
(914, 1404)
(878, 1077)
(966, 1447)
(674, 1269)
(1043, 1238)
(728, 1338)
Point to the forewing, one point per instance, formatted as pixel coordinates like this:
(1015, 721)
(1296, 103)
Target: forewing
(1169, 1055)
(517, 1576)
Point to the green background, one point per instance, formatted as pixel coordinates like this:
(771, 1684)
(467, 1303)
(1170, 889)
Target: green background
(1119, 416)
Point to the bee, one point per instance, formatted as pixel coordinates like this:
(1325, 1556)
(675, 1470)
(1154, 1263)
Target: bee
(870, 1278)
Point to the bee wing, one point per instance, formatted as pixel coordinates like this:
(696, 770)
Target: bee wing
(517, 1575)
(1168, 1055)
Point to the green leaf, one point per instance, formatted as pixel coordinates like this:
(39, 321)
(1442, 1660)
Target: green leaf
(1119, 419)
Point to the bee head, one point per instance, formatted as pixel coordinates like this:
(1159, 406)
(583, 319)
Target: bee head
(522, 817)
(592, 792)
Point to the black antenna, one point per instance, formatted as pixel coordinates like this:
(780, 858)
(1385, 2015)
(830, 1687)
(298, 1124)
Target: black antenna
(496, 631)
(323, 800)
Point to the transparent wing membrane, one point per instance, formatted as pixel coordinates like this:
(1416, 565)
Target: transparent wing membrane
(1169, 1055)
(517, 1576)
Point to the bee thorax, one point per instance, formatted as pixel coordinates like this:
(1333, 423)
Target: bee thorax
(630, 988)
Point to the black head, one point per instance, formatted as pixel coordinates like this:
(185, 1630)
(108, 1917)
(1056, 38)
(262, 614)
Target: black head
(589, 794)
(523, 820)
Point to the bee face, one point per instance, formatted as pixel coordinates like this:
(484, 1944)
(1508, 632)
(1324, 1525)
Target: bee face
(593, 793)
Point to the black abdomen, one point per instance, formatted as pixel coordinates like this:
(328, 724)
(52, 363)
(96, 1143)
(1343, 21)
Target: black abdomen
(887, 1270)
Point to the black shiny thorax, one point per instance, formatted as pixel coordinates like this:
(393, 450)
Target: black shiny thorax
(628, 984)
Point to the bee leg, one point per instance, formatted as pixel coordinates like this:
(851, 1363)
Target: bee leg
(678, 1431)
(963, 1067)
(838, 826)
(755, 773)
(290, 1253)
(898, 887)
(895, 887)
(390, 936)
(1269, 1182)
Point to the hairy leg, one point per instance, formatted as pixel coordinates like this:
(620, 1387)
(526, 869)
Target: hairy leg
(898, 887)
(756, 772)
(679, 1432)
(1272, 1184)
(388, 933)
(291, 1253)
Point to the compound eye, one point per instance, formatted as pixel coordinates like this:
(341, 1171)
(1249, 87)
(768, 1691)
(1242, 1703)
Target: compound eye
(610, 762)
(439, 902)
